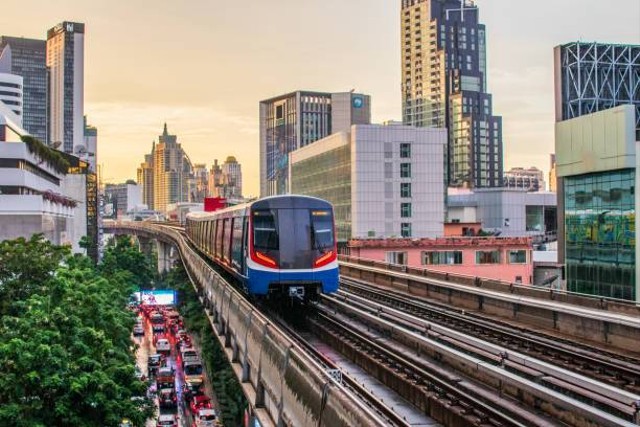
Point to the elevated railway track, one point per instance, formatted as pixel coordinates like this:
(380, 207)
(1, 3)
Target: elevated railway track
(454, 364)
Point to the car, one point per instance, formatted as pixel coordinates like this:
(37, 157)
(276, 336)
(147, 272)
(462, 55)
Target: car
(167, 420)
(199, 402)
(158, 328)
(138, 331)
(154, 362)
(167, 398)
(163, 346)
(205, 418)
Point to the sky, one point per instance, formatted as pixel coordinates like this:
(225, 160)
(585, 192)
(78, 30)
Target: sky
(202, 66)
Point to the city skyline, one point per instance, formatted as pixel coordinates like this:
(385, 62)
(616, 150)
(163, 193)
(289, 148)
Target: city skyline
(140, 72)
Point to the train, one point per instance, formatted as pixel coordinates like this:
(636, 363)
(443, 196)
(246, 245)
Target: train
(276, 248)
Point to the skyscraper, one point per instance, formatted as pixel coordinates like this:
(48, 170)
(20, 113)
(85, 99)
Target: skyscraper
(297, 119)
(26, 58)
(172, 171)
(444, 84)
(232, 178)
(65, 59)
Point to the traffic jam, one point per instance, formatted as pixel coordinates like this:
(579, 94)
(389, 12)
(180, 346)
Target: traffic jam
(169, 362)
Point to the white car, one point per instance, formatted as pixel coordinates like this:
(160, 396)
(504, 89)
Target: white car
(206, 418)
(167, 421)
(163, 346)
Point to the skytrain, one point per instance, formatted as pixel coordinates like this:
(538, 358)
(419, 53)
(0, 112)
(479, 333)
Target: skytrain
(277, 247)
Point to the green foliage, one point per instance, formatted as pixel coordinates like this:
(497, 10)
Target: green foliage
(49, 155)
(66, 356)
(25, 267)
(225, 384)
(126, 260)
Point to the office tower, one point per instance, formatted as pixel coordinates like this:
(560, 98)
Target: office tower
(444, 84)
(531, 179)
(89, 151)
(11, 95)
(27, 59)
(552, 173)
(65, 59)
(297, 119)
(145, 179)
(123, 197)
(172, 171)
(215, 179)
(597, 132)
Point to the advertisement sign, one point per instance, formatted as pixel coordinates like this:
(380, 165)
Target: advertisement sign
(158, 297)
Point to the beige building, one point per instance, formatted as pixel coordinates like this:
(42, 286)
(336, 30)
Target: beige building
(166, 174)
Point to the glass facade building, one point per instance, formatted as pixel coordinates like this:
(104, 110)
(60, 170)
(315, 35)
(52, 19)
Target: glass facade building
(328, 176)
(600, 233)
(27, 59)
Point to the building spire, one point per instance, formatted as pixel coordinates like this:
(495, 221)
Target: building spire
(165, 133)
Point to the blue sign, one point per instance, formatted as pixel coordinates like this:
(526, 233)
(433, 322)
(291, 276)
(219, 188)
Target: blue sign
(358, 102)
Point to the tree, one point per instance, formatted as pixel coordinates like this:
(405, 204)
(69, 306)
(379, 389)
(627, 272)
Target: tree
(66, 356)
(26, 266)
(125, 258)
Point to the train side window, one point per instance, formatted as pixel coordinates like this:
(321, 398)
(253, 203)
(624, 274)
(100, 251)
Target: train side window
(212, 237)
(265, 234)
(226, 248)
(236, 243)
(219, 230)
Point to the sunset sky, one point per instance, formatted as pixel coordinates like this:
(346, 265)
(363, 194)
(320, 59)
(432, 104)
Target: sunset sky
(203, 65)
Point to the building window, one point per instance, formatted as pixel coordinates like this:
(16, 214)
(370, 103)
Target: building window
(405, 151)
(405, 229)
(518, 257)
(405, 170)
(405, 189)
(487, 257)
(442, 258)
(405, 210)
(396, 258)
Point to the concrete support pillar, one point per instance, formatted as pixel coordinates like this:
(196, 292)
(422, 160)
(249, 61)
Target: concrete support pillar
(163, 257)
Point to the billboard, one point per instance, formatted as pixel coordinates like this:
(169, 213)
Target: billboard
(158, 297)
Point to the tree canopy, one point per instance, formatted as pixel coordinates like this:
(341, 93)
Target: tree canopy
(66, 355)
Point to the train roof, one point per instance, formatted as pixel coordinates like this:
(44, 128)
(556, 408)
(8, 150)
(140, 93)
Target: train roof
(272, 202)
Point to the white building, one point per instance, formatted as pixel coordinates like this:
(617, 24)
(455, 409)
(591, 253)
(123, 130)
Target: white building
(31, 196)
(11, 94)
(511, 212)
(384, 181)
(65, 59)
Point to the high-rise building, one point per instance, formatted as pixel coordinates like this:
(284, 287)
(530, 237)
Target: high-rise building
(215, 179)
(172, 171)
(145, 178)
(295, 120)
(65, 59)
(11, 95)
(89, 151)
(199, 188)
(531, 179)
(444, 84)
(232, 178)
(27, 59)
(123, 197)
(592, 77)
(597, 134)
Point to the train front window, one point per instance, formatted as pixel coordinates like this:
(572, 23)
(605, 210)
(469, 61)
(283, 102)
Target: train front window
(265, 233)
(322, 229)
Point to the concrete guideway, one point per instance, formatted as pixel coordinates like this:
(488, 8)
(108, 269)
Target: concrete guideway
(395, 334)
(281, 382)
(615, 324)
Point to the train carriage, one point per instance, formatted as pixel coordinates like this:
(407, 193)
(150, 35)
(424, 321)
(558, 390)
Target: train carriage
(281, 246)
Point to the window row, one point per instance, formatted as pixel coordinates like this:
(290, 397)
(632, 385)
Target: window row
(457, 257)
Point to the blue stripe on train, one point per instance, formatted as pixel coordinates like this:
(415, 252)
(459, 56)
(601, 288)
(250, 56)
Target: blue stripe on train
(259, 280)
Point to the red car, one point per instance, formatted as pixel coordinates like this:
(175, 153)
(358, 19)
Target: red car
(199, 402)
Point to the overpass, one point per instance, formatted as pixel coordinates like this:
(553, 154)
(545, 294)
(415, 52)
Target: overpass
(283, 384)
